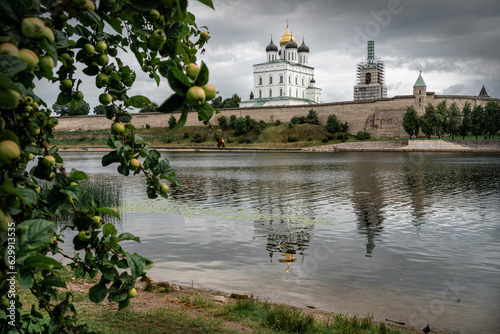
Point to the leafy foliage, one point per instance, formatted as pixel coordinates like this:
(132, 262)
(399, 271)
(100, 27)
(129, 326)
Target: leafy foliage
(332, 124)
(164, 38)
(68, 110)
(411, 122)
(172, 122)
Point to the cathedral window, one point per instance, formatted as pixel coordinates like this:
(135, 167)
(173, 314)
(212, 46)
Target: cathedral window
(281, 91)
(260, 93)
(289, 79)
(302, 81)
(270, 93)
(281, 78)
(270, 80)
(296, 80)
(260, 81)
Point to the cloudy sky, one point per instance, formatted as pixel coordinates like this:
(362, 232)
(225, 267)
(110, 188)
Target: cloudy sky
(455, 43)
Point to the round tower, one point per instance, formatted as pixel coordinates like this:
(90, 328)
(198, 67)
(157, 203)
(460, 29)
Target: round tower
(272, 51)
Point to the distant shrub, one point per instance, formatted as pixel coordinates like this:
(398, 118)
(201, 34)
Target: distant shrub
(168, 139)
(332, 124)
(310, 138)
(199, 138)
(294, 120)
(245, 140)
(172, 122)
(293, 139)
(148, 126)
(312, 117)
(240, 126)
(232, 121)
(363, 135)
(186, 135)
(222, 122)
(325, 140)
(278, 122)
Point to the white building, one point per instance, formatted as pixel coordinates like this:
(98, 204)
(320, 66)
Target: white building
(285, 78)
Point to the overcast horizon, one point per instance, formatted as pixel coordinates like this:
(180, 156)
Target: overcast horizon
(456, 45)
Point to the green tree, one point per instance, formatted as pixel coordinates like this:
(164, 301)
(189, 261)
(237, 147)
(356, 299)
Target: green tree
(153, 107)
(28, 214)
(240, 126)
(453, 123)
(465, 122)
(222, 122)
(312, 117)
(344, 127)
(217, 102)
(477, 121)
(99, 109)
(172, 122)
(492, 115)
(332, 124)
(232, 121)
(232, 102)
(82, 108)
(429, 121)
(441, 119)
(411, 122)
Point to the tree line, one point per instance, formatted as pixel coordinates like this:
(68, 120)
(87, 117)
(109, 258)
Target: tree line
(442, 120)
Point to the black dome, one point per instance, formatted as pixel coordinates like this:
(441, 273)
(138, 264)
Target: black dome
(303, 47)
(271, 47)
(291, 44)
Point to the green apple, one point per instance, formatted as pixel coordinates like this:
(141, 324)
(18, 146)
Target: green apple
(134, 164)
(132, 293)
(9, 151)
(47, 61)
(35, 105)
(102, 79)
(113, 52)
(9, 49)
(204, 35)
(209, 91)
(34, 131)
(49, 161)
(163, 189)
(192, 70)
(97, 222)
(154, 14)
(89, 5)
(195, 95)
(89, 49)
(5, 221)
(31, 156)
(84, 235)
(28, 100)
(80, 3)
(101, 47)
(49, 34)
(52, 175)
(102, 59)
(66, 84)
(32, 27)
(117, 128)
(105, 98)
(109, 3)
(73, 183)
(30, 58)
(9, 98)
(79, 95)
(157, 39)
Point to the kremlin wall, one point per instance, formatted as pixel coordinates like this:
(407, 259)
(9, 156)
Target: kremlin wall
(381, 117)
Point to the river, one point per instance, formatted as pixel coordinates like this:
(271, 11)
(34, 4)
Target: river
(411, 237)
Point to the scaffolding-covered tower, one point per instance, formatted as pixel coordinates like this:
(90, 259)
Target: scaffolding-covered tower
(370, 77)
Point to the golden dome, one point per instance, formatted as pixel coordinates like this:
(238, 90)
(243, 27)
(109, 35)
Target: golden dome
(286, 37)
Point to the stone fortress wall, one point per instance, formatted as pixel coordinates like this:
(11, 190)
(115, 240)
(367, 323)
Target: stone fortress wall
(381, 118)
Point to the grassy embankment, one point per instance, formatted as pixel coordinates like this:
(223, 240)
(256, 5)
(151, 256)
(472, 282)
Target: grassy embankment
(194, 311)
(298, 136)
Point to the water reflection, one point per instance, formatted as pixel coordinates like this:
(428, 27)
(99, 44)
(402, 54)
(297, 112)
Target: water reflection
(337, 224)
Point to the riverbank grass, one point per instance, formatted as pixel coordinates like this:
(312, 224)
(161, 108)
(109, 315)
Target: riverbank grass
(190, 310)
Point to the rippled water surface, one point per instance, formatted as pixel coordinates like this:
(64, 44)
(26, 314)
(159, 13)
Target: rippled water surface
(409, 237)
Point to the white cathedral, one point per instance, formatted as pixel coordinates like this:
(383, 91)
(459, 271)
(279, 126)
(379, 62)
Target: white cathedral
(285, 78)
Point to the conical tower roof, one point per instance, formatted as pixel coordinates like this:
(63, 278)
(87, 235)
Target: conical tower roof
(420, 81)
(483, 92)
